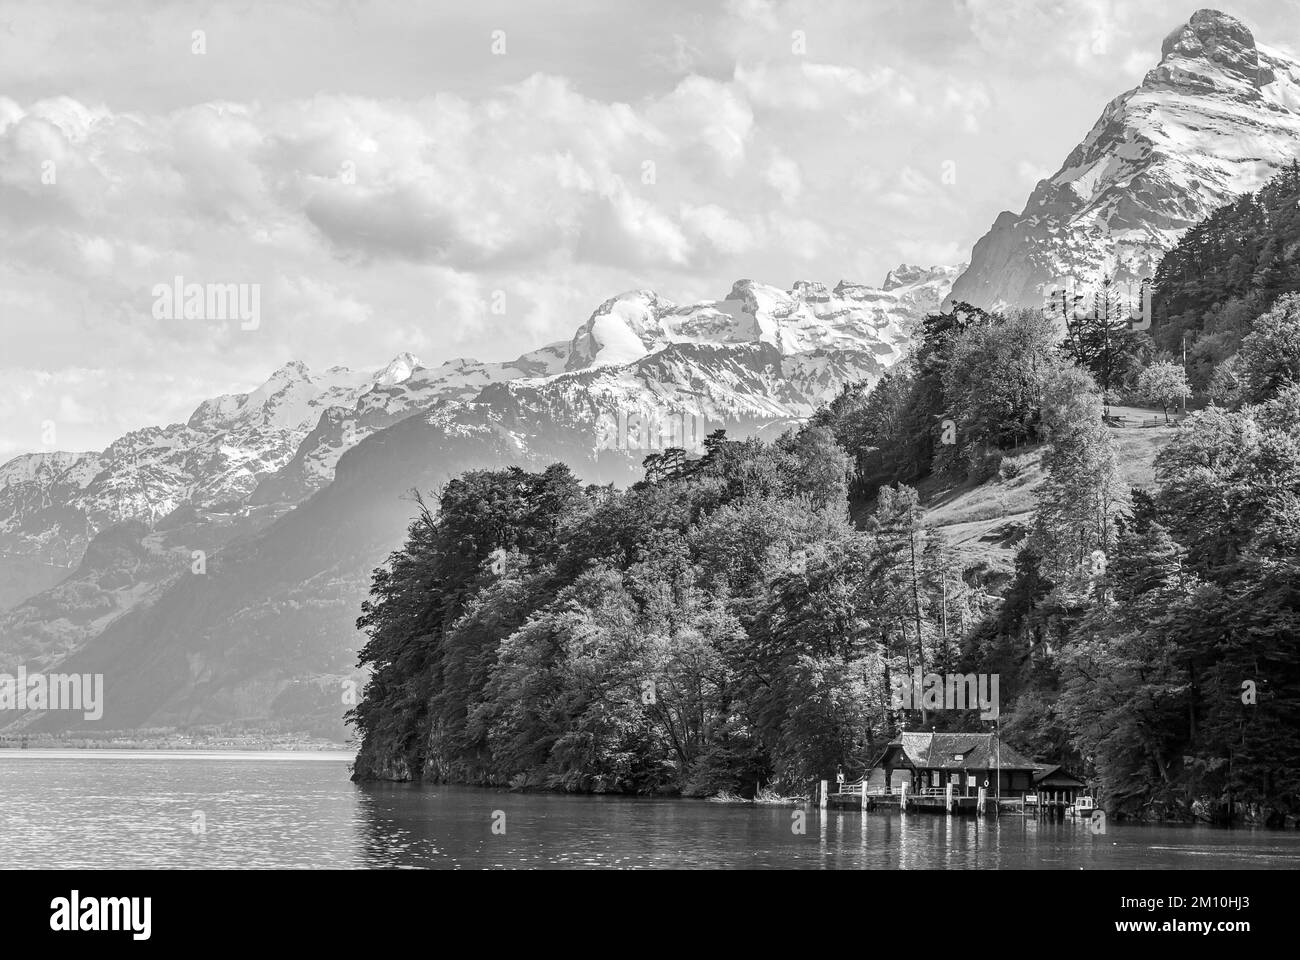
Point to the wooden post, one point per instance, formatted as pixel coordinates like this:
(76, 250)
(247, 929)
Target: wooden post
(864, 793)
(947, 797)
(821, 796)
(979, 804)
(902, 803)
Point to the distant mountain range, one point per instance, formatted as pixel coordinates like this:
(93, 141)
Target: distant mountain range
(220, 491)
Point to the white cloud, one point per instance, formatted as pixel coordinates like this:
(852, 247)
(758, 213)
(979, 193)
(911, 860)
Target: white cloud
(796, 84)
(715, 226)
(706, 123)
(1039, 33)
(672, 146)
(1032, 173)
(783, 176)
(968, 101)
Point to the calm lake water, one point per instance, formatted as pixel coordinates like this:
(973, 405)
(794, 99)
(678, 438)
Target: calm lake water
(102, 809)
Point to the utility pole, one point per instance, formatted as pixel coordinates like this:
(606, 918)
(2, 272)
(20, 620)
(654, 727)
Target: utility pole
(916, 599)
(943, 576)
(1184, 370)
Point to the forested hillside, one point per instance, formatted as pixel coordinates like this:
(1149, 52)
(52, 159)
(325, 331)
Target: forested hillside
(1226, 271)
(733, 622)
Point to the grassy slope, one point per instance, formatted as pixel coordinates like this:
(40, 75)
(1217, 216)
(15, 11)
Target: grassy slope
(987, 521)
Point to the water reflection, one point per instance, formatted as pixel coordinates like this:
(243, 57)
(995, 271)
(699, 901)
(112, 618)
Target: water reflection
(440, 826)
(85, 810)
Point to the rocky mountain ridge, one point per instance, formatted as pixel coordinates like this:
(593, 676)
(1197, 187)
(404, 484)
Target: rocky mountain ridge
(1216, 117)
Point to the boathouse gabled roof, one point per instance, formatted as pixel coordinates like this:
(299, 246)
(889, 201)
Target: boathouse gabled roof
(1055, 775)
(939, 751)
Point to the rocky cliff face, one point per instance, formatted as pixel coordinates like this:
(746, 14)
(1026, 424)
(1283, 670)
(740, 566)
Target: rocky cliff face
(1217, 117)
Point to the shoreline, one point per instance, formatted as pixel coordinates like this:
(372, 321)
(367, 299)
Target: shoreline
(215, 745)
(803, 803)
(335, 754)
(171, 753)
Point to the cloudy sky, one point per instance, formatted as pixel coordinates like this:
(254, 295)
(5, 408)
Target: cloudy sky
(389, 172)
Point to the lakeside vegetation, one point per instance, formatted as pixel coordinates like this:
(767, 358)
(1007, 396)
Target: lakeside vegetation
(732, 622)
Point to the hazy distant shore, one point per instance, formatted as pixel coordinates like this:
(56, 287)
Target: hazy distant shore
(176, 743)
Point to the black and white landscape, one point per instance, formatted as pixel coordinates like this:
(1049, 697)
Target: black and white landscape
(538, 437)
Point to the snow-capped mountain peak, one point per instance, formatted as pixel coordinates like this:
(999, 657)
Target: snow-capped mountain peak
(621, 330)
(293, 397)
(808, 316)
(399, 369)
(906, 275)
(759, 354)
(1216, 117)
(1211, 51)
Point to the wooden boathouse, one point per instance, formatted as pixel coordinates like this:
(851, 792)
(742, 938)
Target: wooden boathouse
(928, 762)
(1053, 782)
(961, 773)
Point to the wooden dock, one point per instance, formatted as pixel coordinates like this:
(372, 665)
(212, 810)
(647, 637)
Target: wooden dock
(858, 795)
(932, 800)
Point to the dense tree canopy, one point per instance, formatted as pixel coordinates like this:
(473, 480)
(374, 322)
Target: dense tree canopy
(734, 621)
